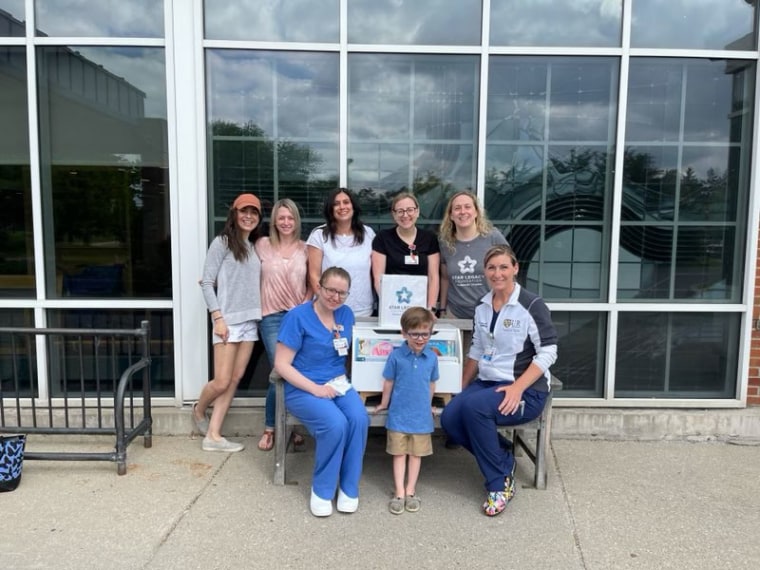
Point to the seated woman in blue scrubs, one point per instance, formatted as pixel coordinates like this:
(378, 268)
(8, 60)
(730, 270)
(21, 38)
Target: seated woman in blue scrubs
(312, 350)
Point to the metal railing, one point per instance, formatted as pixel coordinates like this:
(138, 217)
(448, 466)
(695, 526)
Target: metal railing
(98, 383)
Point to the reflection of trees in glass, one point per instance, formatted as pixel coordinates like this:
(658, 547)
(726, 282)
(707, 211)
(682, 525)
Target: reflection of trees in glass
(430, 189)
(245, 159)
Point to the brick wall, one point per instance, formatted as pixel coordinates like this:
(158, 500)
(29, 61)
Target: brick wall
(753, 386)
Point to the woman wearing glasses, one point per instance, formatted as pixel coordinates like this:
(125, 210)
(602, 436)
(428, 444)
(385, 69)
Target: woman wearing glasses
(505, 379)
(312, 351)
(344, 241)
(465, 235)
(406, 249)
(230, 285)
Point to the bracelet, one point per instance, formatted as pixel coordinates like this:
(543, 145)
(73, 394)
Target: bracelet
(219, 317)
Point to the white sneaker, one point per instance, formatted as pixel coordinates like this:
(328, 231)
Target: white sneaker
(346, 504)
(221, 445)
(320, 507)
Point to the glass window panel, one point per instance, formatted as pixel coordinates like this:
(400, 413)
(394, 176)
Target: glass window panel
(708, 24)
(272, 20)
(554, 264)
(649, 183)
(691, 168)
(18, 376)
(592, 23)
(550, 135)
(100, 18)
(412, 123)
(654, 100)
(703, 264)
(273, 127)
(645, 262)
(161, 343)
(414, 22)
(709, 183)
(12, 20)
(677, 355)
(105, 180)
(16, 233)
(583, 349)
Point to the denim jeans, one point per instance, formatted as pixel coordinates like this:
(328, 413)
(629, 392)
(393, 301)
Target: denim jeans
(269, 326)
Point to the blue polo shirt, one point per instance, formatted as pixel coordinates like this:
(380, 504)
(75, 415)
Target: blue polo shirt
(409, 408)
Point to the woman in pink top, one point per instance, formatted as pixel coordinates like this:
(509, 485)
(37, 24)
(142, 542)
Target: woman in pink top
(284, 284)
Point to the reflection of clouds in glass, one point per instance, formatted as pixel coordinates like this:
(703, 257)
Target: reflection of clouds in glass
(552, 23)
(385, 90)
(414, 22)
(272, 20)
(101, 18)
(242, 89)
(705, 24)
(142, 68)
(14, 7)
(702, 159)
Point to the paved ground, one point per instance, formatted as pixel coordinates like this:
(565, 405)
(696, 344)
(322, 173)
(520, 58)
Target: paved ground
(608, 505)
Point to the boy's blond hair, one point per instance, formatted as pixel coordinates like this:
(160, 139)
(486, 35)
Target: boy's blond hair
(417, 317)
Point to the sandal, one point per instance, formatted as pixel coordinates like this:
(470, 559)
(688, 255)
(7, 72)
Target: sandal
(266, 443)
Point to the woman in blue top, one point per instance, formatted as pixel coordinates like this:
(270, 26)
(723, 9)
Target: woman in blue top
(312, 350)
(505, 379)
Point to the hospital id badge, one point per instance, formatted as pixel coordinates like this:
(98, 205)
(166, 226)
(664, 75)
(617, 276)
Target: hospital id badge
(488, 355)
(341, 345)
(411, 259)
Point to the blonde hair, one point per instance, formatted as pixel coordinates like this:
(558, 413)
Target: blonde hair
(290, 205)
(447, 232)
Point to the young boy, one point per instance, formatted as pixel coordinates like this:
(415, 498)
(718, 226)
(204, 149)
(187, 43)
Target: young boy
(409, 384)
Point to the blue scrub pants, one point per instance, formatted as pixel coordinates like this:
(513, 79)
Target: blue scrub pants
(471, 419)
(339, 427)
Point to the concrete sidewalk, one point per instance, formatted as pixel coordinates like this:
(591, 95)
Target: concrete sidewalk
(608, 505)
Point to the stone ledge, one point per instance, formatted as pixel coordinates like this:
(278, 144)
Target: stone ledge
(567, 423)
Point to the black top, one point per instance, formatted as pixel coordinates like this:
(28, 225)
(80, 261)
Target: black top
(398, 254)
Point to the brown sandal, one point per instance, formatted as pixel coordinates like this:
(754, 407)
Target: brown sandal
(297, 439)
(266, 443)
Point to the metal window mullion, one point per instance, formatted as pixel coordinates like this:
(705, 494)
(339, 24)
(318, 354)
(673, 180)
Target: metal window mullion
(677, 192)
(343, 96)
(481, 143)
(275, 132)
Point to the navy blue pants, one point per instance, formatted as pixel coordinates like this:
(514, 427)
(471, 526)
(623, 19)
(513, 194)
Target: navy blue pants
(471, 419)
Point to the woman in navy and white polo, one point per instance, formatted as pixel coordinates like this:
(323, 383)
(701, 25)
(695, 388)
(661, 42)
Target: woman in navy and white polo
(505, 378)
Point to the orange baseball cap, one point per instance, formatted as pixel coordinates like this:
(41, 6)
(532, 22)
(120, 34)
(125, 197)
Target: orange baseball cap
(245, 200)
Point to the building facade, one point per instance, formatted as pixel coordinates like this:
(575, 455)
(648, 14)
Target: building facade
(611, 141)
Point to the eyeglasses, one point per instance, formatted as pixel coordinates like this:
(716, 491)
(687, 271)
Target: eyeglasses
(418, 335)
(407, 211)
(332, 292)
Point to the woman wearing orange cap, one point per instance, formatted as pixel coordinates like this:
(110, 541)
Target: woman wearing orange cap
(234, 306)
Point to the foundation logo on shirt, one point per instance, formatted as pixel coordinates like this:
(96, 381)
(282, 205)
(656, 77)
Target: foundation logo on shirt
(511, 324)
(404, 295)
(467, 265)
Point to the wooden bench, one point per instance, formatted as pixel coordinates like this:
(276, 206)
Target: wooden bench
(285, 421)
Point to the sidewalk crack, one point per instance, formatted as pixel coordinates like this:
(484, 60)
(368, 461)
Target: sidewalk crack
(573, 522)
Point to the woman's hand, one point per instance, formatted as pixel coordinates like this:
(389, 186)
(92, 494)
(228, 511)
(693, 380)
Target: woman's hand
(324, 391)
(221, 330)
(512, 398)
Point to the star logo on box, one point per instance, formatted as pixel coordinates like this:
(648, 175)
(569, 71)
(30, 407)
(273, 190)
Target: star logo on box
(467, 265)
(404, 295)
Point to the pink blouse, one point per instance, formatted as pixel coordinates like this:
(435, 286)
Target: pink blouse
(283, 280)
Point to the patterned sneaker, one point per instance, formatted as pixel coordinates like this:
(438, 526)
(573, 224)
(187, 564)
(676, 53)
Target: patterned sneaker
(509, 484)
(496, 502)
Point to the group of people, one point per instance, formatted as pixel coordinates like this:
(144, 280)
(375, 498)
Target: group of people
(303, 303)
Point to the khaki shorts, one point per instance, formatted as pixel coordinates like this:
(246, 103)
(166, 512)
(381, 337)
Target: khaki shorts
(417, 444)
